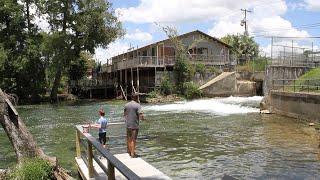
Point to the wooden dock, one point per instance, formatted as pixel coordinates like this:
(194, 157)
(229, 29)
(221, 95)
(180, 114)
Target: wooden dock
(142, 168)
(109, 166)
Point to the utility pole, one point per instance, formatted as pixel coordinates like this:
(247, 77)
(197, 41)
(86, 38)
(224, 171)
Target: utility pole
(244, 21)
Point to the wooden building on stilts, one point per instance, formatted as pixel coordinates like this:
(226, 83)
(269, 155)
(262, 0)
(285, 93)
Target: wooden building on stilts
(141, 70)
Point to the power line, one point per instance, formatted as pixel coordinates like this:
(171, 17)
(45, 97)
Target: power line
(306, 26)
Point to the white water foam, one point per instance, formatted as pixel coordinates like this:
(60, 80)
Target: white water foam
(217, 106)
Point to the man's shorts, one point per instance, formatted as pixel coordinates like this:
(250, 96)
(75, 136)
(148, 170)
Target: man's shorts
(133, 133)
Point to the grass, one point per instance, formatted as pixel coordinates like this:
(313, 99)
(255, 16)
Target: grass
(253, 66)
(309, 82)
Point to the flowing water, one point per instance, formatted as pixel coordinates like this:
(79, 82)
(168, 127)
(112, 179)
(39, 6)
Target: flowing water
(201, 139)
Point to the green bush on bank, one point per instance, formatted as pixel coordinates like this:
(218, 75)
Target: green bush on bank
(32, 169)
(153, 94)
(191, 90)
(166, 86)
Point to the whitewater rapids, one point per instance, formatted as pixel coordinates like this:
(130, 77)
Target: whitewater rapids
(216, 106)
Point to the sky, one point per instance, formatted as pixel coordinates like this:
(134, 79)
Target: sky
(142, 20)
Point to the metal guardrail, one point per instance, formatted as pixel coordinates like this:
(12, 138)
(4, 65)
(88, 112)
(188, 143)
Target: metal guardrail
(296, 85)
(113, 162)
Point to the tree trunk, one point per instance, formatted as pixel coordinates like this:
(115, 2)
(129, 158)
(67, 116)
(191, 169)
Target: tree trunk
(56, 83)
(22, 141)
(57, 79)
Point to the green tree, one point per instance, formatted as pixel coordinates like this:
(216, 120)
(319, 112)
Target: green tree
(242, 45)
(76, 26)
(79, 67)
(22, 69)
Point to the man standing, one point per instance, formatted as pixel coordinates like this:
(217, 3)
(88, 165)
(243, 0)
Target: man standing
(132, 114)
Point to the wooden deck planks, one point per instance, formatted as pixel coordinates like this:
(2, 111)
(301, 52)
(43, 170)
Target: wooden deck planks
(140, 167)
(137, 165)
(84, 172)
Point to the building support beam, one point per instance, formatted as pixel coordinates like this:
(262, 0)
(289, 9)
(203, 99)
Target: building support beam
(132, 87)
(126, 81)
(155, 77)
(138, 85)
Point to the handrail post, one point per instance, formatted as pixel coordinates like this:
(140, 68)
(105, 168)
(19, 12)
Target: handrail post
(90, 159)
(111, 175)
(294, 85)
(282, 84)
(78, 144)
(308, 84)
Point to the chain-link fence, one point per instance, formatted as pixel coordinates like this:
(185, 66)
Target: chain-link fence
(295, 51)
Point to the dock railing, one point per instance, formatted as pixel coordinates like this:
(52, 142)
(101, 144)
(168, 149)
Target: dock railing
(113, 162)
(297, 85)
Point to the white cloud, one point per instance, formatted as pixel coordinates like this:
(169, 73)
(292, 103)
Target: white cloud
(139, 36)
(164, 11)
(276, 26)
(222, 28)
(313, 5)
(225, 15)
(293, 6)
(122, 45)
(113, 49)
(265, 19)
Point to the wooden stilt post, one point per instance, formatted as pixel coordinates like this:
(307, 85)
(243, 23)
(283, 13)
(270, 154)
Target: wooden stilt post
(120, 77)
(126, 81)
(138, 85)
(155, 77)
(132, 81)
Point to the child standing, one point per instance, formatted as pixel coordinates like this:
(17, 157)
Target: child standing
(102, 124)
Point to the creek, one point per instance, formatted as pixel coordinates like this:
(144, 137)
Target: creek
(200, 139)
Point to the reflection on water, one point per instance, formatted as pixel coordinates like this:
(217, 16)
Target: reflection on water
(202, 139)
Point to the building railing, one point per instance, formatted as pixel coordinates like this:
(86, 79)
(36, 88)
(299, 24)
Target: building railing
(91, 143)
(154, 61)
(296, 85)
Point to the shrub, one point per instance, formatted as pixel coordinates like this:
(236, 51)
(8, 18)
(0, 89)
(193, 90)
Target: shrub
(201, 68)
(166, 86)
(31, 169)
(191, 90)
(214, 70)
(153, 94)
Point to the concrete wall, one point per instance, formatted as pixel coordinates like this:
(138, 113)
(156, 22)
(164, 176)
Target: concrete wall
(281, 72)
(256, 76)
(298, 105)
(224, 87)
(246, 88)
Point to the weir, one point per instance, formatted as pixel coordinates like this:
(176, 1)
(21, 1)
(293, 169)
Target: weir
(95, 162)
